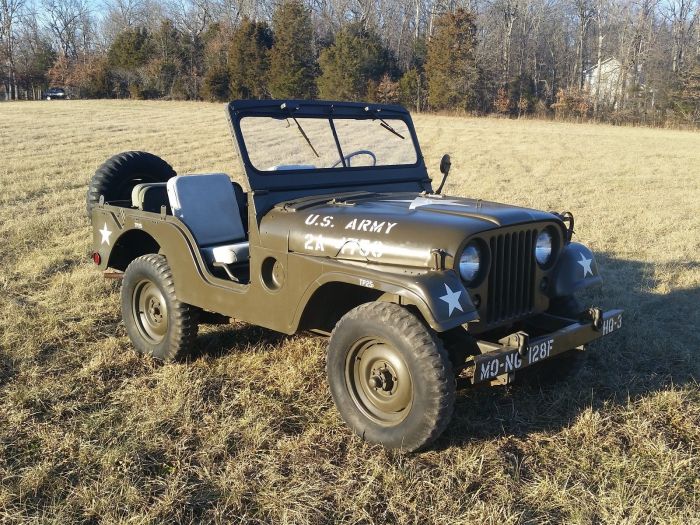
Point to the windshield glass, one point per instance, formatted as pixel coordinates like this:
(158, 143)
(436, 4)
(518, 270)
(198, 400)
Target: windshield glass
(308, 143)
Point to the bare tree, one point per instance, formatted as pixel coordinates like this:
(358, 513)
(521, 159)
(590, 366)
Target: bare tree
(66, 21)
(9, 14)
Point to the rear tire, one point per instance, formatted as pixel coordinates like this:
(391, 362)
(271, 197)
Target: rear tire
(390, 377)
(119, 174)
(157, 322)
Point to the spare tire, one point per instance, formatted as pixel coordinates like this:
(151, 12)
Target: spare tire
(116, 178)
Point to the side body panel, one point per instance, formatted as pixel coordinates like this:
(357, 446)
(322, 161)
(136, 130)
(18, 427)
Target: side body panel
(278, 303)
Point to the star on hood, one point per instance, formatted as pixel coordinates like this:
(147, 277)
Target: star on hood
(426, 201)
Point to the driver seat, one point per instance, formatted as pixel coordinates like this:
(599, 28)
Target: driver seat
(208, 206)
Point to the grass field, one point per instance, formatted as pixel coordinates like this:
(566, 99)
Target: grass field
(247, 432)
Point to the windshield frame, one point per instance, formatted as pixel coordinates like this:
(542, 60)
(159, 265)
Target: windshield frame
(327, 176)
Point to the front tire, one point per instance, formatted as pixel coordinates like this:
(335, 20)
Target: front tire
(157, 323)
(390, 377)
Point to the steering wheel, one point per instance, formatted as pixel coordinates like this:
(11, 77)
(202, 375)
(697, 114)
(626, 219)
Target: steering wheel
(355, 154)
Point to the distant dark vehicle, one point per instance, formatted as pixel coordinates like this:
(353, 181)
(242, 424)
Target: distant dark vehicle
(56, 93)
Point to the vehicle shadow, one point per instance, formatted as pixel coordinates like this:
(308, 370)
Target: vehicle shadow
(657, 348)
(231, 337)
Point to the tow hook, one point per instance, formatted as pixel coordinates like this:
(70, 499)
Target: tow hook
(519, 340)
(595, 314)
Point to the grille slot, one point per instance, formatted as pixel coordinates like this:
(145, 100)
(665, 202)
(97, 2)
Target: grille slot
(511, 292)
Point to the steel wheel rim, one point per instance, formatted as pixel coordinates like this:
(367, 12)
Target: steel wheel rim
(379, 381)
(150, 311)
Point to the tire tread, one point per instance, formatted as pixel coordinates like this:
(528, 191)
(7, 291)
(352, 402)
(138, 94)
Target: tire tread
(430, 354)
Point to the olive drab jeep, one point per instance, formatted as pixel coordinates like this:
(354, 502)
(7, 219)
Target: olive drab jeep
(341, 233)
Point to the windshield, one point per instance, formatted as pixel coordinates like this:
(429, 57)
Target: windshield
(275, 144)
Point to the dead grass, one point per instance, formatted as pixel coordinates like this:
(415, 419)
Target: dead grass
(247, 432)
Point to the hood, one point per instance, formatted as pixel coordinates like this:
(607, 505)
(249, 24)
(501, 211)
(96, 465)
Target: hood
(389, 228)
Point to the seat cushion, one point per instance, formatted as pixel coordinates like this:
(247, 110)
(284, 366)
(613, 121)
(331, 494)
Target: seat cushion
(208, 206)
(228, 253)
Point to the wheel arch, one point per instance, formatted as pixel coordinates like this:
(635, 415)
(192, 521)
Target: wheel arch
(334, 294)
(129, 246)
(331, 301)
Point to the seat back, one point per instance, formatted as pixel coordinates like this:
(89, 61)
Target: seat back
(207, 204)
(150, 196)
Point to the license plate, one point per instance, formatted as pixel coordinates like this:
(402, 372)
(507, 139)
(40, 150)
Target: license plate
(508, 360)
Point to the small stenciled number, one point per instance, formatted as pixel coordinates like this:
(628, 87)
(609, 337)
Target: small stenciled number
(314, 243)
(612, 324)
(540, 351)
(367, 283)
(363, 247)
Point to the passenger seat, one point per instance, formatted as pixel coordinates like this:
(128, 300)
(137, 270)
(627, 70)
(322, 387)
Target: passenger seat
(210, 208)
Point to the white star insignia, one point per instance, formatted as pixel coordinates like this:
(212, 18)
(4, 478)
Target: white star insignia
(452, 299)
(586, 265)
(105, 234)
(425, 201)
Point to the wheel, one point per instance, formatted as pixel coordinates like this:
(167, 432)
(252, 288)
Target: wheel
(117, 177)
(390, 377)
(158, 323)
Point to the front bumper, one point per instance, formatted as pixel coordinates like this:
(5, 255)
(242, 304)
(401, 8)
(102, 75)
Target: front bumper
(544, 337)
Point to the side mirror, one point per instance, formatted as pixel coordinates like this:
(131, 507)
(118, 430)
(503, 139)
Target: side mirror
(445, 165)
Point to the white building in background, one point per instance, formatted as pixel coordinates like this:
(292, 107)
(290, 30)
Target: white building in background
(608, 89)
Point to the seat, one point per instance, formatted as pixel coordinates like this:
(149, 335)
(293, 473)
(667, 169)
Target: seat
(150, 196)
(209, 207)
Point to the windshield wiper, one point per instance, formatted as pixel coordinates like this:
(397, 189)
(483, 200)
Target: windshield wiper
(301, 130)
(389, 128)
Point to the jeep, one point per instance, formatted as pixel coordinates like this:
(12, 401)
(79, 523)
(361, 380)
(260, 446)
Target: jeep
(342, 234)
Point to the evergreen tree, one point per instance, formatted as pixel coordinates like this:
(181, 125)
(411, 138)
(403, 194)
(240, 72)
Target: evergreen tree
(129, 52)
(166, 67)
(215, 85)
(292, 60)
(451, 69)
(248, 60)
(131, 49)
(353, 65)
(410, 94)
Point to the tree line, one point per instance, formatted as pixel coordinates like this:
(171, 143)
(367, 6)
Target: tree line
(635, 61)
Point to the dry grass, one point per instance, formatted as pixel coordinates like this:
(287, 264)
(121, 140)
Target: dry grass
(247, 432)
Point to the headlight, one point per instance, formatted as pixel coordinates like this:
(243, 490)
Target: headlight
(469, 262)
(543, 247)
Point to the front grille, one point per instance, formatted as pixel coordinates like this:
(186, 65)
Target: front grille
(511, 279)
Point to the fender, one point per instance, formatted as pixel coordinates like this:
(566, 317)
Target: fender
(440, 296)
(576, 269)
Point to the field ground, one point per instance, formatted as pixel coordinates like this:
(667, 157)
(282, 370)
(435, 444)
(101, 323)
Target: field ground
(247, 432)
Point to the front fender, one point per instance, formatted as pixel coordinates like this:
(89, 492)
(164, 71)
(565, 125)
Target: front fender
(439, 295)
(576, 269)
